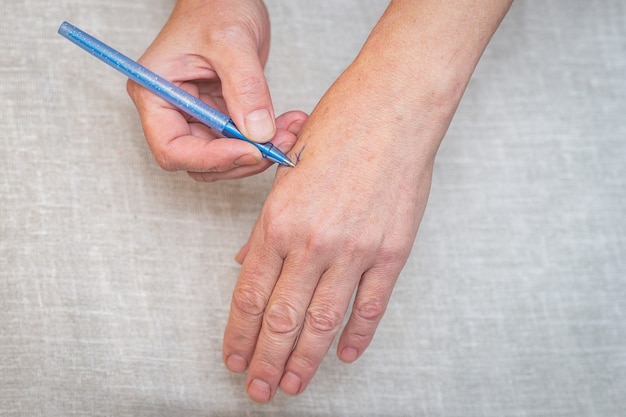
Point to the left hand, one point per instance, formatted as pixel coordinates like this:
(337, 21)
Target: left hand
(345, 218)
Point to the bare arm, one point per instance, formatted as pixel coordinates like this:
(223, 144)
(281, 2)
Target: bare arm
(346, 217)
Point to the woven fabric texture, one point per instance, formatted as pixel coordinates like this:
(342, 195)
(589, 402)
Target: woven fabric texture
(116, 276)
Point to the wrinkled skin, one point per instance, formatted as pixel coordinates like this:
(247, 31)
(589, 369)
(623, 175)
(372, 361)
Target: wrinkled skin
(345, 218)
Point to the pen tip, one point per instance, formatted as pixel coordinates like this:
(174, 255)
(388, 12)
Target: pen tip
(289, 164)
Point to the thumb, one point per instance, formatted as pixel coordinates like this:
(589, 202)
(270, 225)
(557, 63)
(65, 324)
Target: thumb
(247, 94)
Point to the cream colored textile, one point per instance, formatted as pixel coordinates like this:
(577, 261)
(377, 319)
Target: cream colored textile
(115, 276)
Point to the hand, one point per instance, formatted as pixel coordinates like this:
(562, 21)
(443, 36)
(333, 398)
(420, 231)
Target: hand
(345, 218)
(221, 61)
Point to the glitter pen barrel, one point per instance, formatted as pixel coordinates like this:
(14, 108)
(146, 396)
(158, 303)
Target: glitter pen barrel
(167, 91)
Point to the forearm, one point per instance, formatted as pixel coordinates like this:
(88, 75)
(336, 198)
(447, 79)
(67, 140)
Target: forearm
(433, 45)
(417, 62)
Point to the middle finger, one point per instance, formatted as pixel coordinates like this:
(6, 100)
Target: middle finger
(282, 322)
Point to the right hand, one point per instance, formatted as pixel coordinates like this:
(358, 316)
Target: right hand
(216, 51)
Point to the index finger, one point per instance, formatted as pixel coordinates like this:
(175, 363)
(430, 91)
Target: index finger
(250, 297)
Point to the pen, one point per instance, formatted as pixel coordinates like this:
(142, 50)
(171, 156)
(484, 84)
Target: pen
(167, 91)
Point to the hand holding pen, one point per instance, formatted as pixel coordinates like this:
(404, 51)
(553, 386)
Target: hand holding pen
(228, 75)
(229, 79)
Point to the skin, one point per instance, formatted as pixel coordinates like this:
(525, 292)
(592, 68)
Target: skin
(345, 218)
(215, 50)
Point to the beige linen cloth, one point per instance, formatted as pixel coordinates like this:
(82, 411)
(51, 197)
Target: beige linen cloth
(116, 277)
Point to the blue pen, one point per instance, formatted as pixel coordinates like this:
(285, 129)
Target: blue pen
(167, 91)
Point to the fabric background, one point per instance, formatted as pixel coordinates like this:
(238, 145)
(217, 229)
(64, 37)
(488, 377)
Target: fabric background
(116, 277)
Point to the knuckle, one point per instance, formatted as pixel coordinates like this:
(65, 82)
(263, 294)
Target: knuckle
(276, 229)
(268, 368)
(324, 319)
(394, 249)
(163, 159)
(249, 86)
(282, 318)
(369, 309)
(304, 363)
(319, 240)
(249, 300)
(391, 255)
(362, 337)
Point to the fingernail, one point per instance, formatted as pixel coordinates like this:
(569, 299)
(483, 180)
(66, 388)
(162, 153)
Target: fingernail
(349, 355)
(260, 125)
(236, 363)
(295, 127)
(259, 391)
(286, 146)
(247, 159)
(290, 383)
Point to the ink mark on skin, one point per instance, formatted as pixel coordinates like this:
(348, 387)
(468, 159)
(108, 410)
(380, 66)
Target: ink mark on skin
(299, 153)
